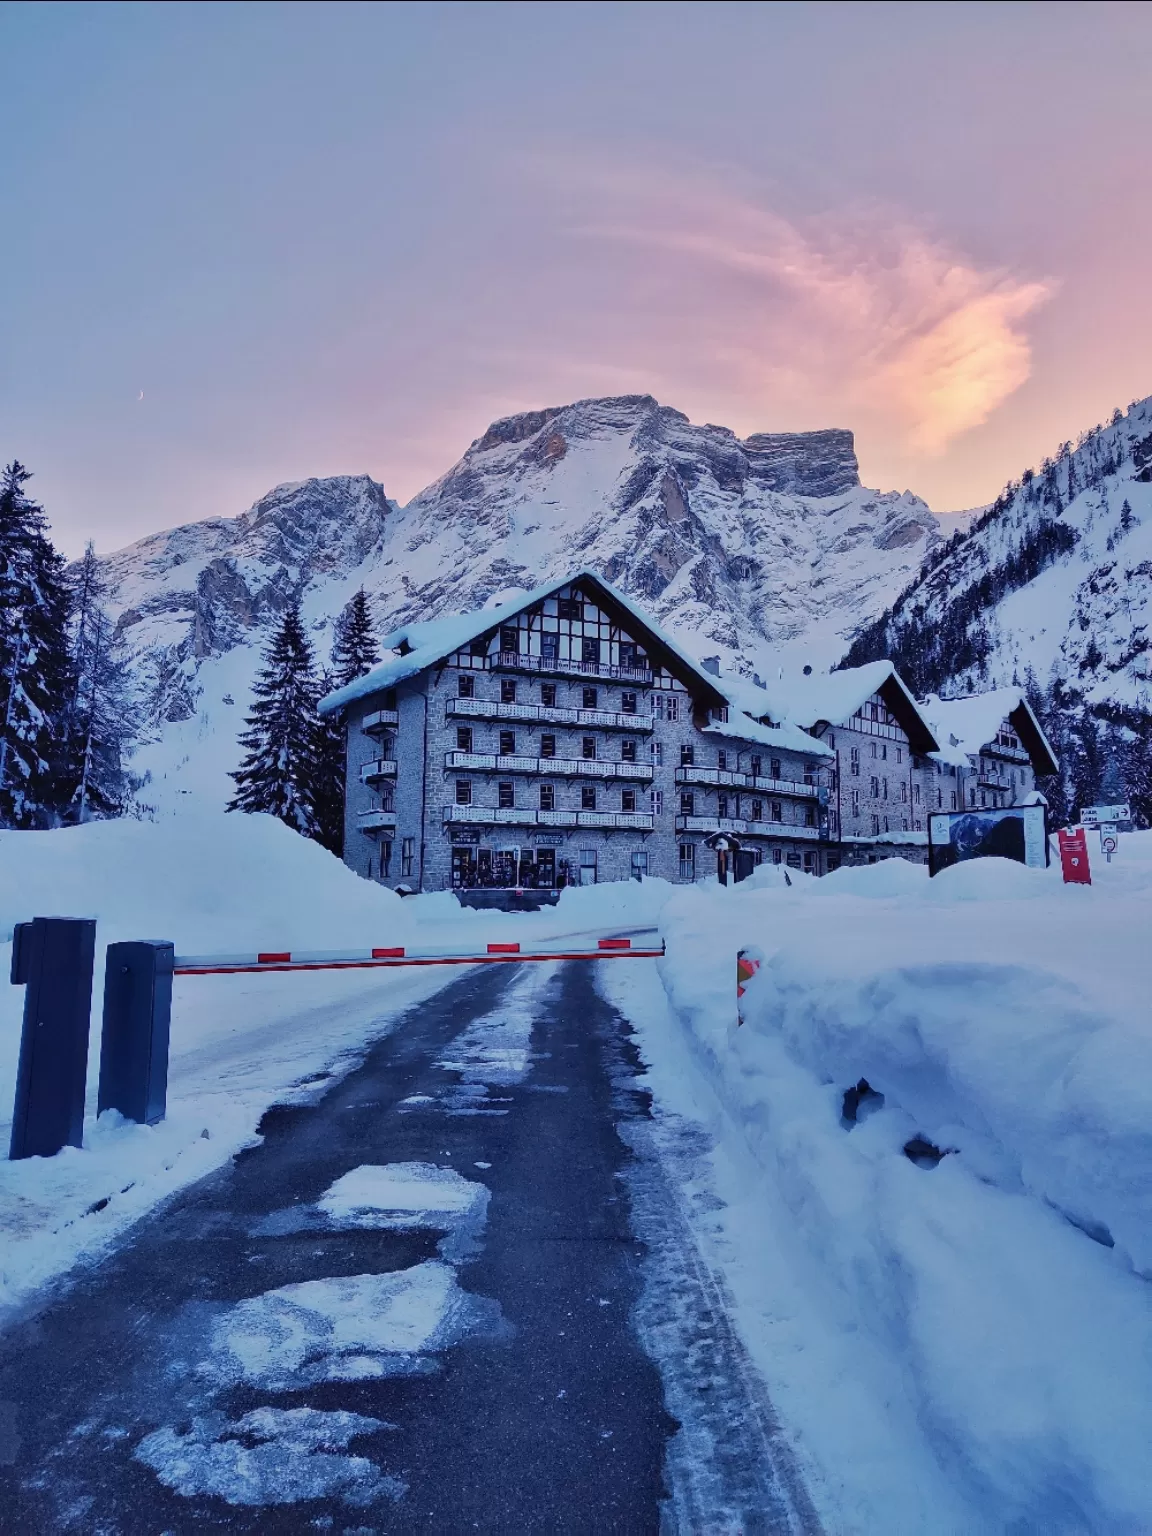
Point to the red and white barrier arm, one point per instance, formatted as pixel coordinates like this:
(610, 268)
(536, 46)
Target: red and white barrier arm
(371, 959)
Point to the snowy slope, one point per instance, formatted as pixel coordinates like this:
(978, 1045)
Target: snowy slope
(737, 546)
(980, 617)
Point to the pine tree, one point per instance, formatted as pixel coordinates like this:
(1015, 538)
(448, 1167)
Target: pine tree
(331, 750)
(355, 649)
(279, 772)
(1126, 517)
(35, 673)
(102, 719)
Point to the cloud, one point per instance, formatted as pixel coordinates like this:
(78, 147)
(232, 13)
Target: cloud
(856, 314)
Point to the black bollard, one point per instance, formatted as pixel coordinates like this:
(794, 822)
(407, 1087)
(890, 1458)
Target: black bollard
(52, 957)
(134, 1042)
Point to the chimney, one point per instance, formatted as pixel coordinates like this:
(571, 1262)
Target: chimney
(711, 664)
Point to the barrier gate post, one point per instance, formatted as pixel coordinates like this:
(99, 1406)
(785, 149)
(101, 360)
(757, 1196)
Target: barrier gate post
(52, 957)
(137, 1018)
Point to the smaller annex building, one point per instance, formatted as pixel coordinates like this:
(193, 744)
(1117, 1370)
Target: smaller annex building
(564, 739)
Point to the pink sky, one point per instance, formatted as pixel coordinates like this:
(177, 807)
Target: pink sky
(344, 238)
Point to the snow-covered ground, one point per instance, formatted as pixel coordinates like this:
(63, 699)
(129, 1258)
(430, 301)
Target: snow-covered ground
(960, 1347)
(213, 883)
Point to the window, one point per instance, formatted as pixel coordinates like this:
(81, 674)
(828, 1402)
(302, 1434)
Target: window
(687, 861)
(627, 653)
(722, 760)
(507, 690)
(547, 797)
(590, 652)
(793, 861)
(407, 856)
(904, 824)
(463, 738)
(590, 697)
(479, 647)
(587, 797)
(872, 748)
(953, 793)
(939, 799)
(903, 792)
(916, 793)
(570, 608)
(757, 810)
(874, 787)
(627, 751)
(855, 802)
(855, 761)
(887, 828)
(777, 811)
(463, 791)
(688, 804)
(687, 756)
(875, 826)
(639, 863)
(627, 799)
(385, 858)
(884, 751)
(510, 639)
(722, 805)
(550, 647)
(833, 863)
(885, 789)
(832, 744)
(548, 695)
(808, 863)
(587, 866)
(506, 798)
(899, 755)
(775, 765)
(657, 754)
(721, 714)
(665, 706)
(588, 746)
(657, 802)
(777, 856)
(757, 764)
(548, 746)
(628, 707)
(507, 743)
(466, 685)
(809, 815)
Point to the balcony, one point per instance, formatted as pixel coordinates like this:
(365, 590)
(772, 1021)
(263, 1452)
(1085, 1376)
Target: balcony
(690, 774)
(379, 768)
(743, 828)
(547, 714)
(1009, 754)
(381, 720)
(376, 821)
(521, 661)
(565, 767)
(516, 816)
(988, 780)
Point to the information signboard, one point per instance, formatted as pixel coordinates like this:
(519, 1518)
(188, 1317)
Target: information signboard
(1074, 857)
(1096, 815)
(1016, 832)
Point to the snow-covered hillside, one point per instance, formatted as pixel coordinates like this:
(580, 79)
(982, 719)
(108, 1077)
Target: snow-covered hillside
(1055, 578)
(738, 546)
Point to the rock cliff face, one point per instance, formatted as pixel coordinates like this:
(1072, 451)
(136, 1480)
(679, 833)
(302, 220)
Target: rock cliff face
(763, 549)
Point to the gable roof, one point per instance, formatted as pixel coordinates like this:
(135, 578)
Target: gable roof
(965, 726)
(432, 641)
(833, 698)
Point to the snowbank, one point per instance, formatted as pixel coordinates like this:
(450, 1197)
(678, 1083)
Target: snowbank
(997, 1297)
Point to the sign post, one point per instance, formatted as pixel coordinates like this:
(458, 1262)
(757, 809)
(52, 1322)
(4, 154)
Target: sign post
(1074, 856)
(1109, 839)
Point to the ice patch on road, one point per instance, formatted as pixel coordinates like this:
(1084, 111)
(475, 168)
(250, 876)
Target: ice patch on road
(401, 1195)
(350, 1328)
(496, 1050)
(270, 1456)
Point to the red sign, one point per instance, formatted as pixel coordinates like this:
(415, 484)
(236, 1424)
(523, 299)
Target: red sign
(1074, 857)
(747, 964)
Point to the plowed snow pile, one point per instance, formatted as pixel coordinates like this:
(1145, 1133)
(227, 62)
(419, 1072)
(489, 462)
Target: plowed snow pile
(962, 1343)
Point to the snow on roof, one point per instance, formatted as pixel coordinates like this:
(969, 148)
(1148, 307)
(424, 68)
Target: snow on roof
(832, 696)
(786, 735)
(964, 726)
(432, 640)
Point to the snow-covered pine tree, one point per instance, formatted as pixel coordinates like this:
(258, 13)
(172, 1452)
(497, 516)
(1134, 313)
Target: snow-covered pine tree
(355, 648)
(103, 717)
(279, 772)
(35, 671)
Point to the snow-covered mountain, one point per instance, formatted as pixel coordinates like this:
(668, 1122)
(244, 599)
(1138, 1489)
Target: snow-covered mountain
(1050, 587)
(766, 547)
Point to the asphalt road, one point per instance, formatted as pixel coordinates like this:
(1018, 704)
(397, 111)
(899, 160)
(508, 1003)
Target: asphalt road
(577, 1316)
